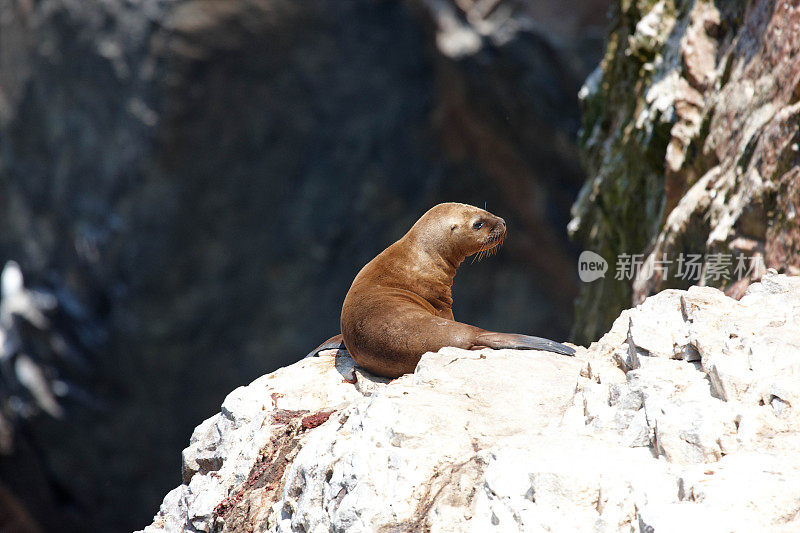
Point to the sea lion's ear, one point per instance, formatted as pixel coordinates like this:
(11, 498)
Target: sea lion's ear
(453, 227)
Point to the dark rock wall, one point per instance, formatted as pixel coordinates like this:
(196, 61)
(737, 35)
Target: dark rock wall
(200, 180)
(690, 139)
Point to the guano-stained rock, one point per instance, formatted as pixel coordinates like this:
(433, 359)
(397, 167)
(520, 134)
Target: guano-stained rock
(524, 441)
(690, 140)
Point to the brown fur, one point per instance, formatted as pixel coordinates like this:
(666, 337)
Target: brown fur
(400, 304)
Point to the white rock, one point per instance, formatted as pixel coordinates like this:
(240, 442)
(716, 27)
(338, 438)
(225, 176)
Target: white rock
(520, 440)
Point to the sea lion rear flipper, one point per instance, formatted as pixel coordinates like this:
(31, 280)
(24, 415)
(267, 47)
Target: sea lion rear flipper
(516, 341)
(334, 343)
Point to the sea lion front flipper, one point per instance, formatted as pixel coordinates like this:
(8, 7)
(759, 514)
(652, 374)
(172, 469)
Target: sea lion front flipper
(334, 343)
(516, 341)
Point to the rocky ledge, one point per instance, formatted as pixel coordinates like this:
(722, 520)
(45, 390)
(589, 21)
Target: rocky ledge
(684, 416)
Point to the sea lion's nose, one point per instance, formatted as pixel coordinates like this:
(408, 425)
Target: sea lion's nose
(503, 222)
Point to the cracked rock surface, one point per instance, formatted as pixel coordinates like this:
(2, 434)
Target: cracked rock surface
(684, 415)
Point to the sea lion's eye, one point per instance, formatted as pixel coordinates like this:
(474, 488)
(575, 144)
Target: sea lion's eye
(477, 225)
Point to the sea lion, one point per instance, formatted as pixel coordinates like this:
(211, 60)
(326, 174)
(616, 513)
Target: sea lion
(400, 304)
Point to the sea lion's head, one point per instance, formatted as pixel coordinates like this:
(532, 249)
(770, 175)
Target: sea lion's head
(456, 231)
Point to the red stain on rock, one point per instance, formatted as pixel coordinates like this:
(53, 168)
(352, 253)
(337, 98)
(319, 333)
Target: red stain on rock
(312, 421)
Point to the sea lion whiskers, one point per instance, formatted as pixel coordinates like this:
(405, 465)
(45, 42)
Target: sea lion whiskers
(490, 247)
